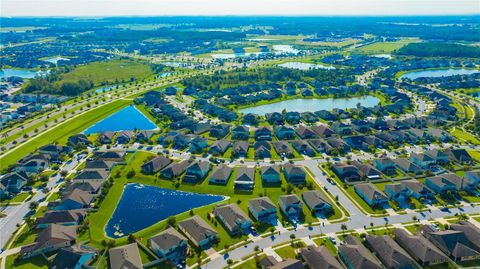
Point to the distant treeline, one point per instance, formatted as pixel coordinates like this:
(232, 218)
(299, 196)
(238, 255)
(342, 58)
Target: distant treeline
(45, 85)
(223, 79)
(438, 49)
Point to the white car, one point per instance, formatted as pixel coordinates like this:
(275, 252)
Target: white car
(334, 241)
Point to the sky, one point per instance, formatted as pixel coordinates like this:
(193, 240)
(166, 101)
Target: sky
(10, 8)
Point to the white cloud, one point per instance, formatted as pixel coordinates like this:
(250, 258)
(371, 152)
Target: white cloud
(235, 7)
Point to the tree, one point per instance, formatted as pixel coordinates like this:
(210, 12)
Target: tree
(171, 221)
(344, 227)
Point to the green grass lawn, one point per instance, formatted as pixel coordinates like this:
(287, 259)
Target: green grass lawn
(16, 199)
(37, 262)
(475, 155)
(465, 137)
(61, 133)
(110, 71)
(27, 236)
(289, 250)
(385, 47)
(327, 243)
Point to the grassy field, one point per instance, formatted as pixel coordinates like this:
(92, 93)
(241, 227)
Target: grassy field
(385, 47)
(465, 137)
(110, 71)
(62, 132)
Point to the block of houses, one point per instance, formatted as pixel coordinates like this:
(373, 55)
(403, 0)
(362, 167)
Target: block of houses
(471, 231)
(283, 132)
(303, 147)
(305, 133)
(170, 245)
(454, 244)
(319, 257)
(290, 206)
(385, 165)
(219, 147)
(283, 149)
(371, 194)
(397, 192)
(199, 232)
(439, 156)
(389, 252)
(79, 256)
(77, 199)
(220, 175)
(124, 137)
(196, 172)
(323, 130)
(156, 164)
(459, 155)
(262, 149)
(270, 174)
(356, 256)
(235, 221)
(240, 148)
(127, 256)
(244, 179)
(50, 239)
(174, 170)
(263, 210)
(263, 134)
(422, 250)
(317, 202)
(346, 172)
(294, 174)
(407, 167)
(366, 170)
(61, 217)
(13, 183)
(440, 184)
(240, 132)
(418, 190)
(220, 130)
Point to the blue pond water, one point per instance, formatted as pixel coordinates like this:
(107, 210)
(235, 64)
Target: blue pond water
(142, 206)
(23, 73)
(127, 119)
(312, 105)
(438, 73)
(104, 89)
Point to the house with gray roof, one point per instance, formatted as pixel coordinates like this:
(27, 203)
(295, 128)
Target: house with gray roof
(371, 194)
(240, 148)
(74, 257)
(471, 231)
(319, 258)
(385, 165)
(407, 167)
(263, 210)
(270, 174)
(87, 186)
(124, 257)
(262, 149)
(77, 199)
(98, 165)
(317, 202)
(346, 172)
(283, 149)
(323, 130)
(235, 221)
(390, 253)
(156, 164)
(303, 147)
(170, 245)
(290, 206)
(320, 145)
(459, 155)
(50, 239)
(245, 178)
(294, 174)
(422, 250)
(356, 256)
(219, 147)
(221, 174)
(61, 217)
(288, 264)
(98, 175)
(200, 233)
(175, 169)
(196, 172)
(240, 132)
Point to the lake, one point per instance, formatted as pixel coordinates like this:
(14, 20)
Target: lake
(104, 89)
(305, 66)
(23, 73)
(438, 73)
(142, 206)
(54, 60)
(127, 119)
(312, 105)
(285, 49)
(233, 55)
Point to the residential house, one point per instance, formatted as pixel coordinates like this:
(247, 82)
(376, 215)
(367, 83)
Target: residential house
(219, 147)
(220, 130)
(240, 148)
(319, 258)
(262, 149)
(156, 164)
(389, 252)
(424, 252)
(302, 147)
(283, 149)
(439, 156)
(294, 174)
(124, 137)
(321, 146)
(199, 232)
(77, 199)
(346, 172)
(61, 217)
(98, 165)
(74, 257)
(88, 186)
(270, 174)
(292, 117)
(361, 126)
(385, 165)
(174, 170)
(459, 155)
(50, 239)
(366, 170)
(323, 130)
(290, 206)
(12, 183)
(127, 256)
(235, 221)
(113, 156)
(305, 133)
(170, 245)
(263, 134)
(200, 128)
(263, 210)
(78, 140)
(240, 133)
(274, 118)
(54, 151)
(244, 179)
(471, 231)
(98, 175)
(440, 184)
(283, 132)
(356, 256)
(144, 135)
(196, 172)
(407, 167)
(341, 128)
(397, 192)
(198, 144)
(317, 202)
(473, 177)
(418, 190)
(453, 243)
(220, 175)
(371, 194)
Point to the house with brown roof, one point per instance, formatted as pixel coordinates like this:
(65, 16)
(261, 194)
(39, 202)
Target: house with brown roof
(200, 233)
(235, 221)
(356, 256)
(170, 245)
(124, 257)
(422, 250)
(389, 252)
(156, 164)
(319, 258)
(52, 238)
